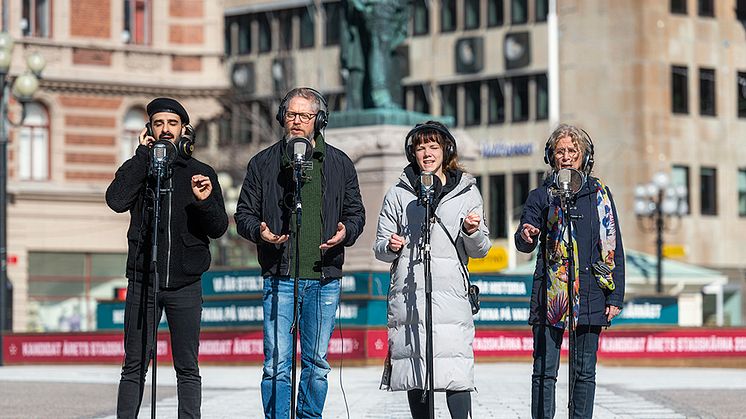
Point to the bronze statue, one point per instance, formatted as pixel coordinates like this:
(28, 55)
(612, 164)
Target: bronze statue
(372, 29)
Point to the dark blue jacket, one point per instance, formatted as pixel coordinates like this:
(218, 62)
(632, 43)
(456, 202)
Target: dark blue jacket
(266, 196)
(593, 299)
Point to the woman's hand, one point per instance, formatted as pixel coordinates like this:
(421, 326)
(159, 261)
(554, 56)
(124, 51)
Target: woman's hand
(396, 242)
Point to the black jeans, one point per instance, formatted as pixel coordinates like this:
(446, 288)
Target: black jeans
(459, 404)
(183, 310)
(547, 343)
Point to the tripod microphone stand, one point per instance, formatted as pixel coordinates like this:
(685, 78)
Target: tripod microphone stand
(568, 183)
(300, 148)
(427, 190)
(162, 154)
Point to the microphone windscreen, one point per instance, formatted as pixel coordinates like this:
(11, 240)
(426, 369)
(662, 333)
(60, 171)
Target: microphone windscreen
(299, 148)
(426, 180)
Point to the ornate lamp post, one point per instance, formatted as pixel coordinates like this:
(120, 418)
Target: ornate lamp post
(23, 89)
(655, 204)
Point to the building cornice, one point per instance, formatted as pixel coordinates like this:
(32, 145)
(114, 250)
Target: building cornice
(112, 88)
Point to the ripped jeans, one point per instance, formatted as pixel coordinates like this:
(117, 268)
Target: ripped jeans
(317, 302)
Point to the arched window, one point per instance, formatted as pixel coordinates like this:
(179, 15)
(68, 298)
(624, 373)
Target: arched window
(134, 122)
(33, 144)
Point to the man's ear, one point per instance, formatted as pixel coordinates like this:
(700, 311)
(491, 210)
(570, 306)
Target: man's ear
(183, 130)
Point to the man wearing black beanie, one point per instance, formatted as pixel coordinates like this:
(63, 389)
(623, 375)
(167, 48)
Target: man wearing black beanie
(191, 213)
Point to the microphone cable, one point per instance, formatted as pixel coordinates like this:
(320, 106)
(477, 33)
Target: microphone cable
(342, 353)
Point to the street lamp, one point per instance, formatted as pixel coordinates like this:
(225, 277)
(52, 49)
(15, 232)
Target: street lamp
(24, 87)
(656, 203)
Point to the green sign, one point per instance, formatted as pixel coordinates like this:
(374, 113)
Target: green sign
(649, 310)
(503, 285)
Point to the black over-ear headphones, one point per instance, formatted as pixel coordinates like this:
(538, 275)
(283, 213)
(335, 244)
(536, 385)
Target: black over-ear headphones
(587, 164)
(322, 116)
(185, 146)
(450, 143)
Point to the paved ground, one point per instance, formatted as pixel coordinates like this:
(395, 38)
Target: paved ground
(504, 389)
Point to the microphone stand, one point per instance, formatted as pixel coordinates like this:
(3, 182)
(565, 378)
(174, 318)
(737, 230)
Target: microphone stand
(160, 173)
(565, 199)
(430, 387)
(297, 177)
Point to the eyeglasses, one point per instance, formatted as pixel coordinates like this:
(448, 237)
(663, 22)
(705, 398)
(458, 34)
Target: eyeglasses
(571, 152)
(304, 117)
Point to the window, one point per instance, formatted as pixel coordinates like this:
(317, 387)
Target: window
(447, 15)
(496, 102)
(472, 103)
(33, 144)
(707, 92)
(706, 8)
(136, 22)
(741, 94)
(449, 102)
(134, 121)
(66, 287)
(238, 35)
(285, 21)
(680, 177)
(542, 97)
(678, 7)
(265, 32)
(518, 12)
(742, 192)
(540, 176)
(332, 11)
(498, 223)
(420, 18)
(420, 102)
(521, 189)
(679, 90)
(307, 28)
(542, 10)
(741, 10)
(520, 99)
(471, 14)
(708, 191)
(36, 18)
(495, 13)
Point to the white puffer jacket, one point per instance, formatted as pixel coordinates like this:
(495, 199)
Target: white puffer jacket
(453, 326)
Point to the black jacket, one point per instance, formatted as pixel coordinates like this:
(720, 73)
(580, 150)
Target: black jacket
(266, 196)
(593, 299)
(185, 226)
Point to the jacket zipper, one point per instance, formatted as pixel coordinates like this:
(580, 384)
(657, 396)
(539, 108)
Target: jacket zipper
(321, 233)
(170, 211)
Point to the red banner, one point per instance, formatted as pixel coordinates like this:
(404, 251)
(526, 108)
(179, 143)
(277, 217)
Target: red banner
(361, 344)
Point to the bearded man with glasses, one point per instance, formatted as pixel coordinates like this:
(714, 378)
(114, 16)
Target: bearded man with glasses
(332, 218)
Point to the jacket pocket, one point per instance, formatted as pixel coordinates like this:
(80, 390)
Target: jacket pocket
(195, 259)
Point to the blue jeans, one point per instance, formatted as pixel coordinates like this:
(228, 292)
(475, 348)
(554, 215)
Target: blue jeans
(317, 301)
(547, 343)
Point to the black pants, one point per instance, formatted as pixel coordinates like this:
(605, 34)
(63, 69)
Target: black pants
(183, 310)
(459, 404)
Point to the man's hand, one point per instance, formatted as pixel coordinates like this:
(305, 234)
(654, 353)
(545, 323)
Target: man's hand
(471, 223)
(528, 231)
(612, 311)
(396, 242)
(145, 139)
(201, 187)
(336, 238)
(269, 236)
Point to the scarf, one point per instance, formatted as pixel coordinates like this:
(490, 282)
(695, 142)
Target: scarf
(557, 260)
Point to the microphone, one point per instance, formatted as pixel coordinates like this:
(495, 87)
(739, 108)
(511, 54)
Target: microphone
(162, 154)
(430, 185)
(299, 150)
(567, 182)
